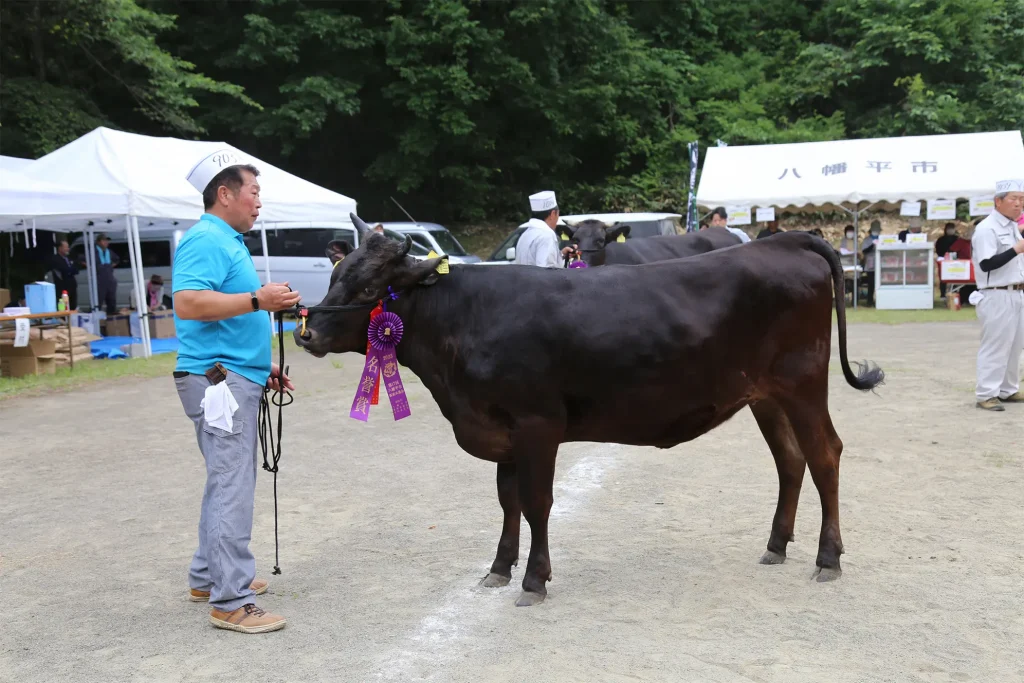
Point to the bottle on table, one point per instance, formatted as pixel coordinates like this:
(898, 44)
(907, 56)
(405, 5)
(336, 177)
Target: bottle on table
(65, 301)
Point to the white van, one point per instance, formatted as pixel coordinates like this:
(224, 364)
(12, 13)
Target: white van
(157, 259)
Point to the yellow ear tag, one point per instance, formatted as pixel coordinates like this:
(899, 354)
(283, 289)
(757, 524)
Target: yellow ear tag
(442, 267)
(620, 238)
(565, 238)
(432, 254)
(337, 262)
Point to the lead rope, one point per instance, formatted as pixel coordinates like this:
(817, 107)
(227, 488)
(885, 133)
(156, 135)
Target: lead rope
(281, 398)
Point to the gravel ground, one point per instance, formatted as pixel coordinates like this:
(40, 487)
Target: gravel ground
(387, 529)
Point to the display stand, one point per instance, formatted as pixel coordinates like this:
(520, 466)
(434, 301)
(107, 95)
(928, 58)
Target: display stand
(904, 276)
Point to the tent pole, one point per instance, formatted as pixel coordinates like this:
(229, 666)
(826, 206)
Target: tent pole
(133, 262)
(90, 266)
(143, 295)
(266, 261)
(856, 243)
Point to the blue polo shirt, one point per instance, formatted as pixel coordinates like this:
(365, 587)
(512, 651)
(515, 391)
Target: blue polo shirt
(213, 256)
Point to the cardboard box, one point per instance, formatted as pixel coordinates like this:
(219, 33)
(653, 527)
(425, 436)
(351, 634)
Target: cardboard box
(38, 358)
(161, 325)
(5, 297)
(41, 297)
(89, 321)
(116, 326)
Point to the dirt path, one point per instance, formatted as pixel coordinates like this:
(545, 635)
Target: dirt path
(388, 527)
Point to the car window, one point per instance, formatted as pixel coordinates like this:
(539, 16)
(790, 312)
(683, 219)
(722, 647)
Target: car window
(304, 242)
(510, 241)
(448, 243)
(417, 248)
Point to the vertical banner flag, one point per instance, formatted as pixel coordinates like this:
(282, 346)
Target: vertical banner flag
(691, 200)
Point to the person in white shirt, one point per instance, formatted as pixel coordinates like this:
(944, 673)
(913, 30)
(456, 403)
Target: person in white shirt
(996, 250)
(538, 245)
(720, 219)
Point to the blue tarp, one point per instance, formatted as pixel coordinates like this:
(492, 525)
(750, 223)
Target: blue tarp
(110, 347)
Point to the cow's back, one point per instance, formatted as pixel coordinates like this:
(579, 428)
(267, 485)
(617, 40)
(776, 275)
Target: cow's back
(667, 247)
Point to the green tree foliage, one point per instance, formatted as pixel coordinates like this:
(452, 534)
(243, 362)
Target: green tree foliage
(462, 107)
(72, 65)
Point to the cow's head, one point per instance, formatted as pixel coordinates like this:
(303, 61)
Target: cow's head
(358, 282)
(591, 236)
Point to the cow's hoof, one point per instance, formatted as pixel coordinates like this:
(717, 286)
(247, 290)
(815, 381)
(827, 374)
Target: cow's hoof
(825, 574)
(772, 557)
(493, 580)
(529, 599)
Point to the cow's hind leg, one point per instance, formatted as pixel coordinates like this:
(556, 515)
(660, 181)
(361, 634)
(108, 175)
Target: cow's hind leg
(536, 474)
(821, 446)
(508, 546)
(790, 463)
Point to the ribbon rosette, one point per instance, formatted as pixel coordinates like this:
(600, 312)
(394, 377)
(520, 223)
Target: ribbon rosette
(578, 264)
(383, 335)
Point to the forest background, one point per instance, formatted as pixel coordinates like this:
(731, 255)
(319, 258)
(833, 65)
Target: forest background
(460, 109)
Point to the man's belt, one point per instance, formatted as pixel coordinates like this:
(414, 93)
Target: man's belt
(1016, 286)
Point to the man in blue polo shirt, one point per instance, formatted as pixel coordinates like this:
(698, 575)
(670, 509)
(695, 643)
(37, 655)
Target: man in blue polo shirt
(221, 316)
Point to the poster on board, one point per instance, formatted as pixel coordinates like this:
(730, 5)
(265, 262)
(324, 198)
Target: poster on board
(738, 215)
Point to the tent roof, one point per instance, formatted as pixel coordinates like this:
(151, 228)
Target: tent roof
(13, 163)
(24, 197)
(148, 175)
(815, 175)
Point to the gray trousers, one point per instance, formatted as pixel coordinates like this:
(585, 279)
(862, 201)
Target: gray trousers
(223, 563)
(1001, 313)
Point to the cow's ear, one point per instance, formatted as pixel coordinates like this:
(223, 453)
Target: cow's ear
(569, 231)
(420, 273)
(616, 233)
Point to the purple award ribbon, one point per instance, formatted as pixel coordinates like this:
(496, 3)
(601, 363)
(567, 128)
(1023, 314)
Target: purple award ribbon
(384, 334)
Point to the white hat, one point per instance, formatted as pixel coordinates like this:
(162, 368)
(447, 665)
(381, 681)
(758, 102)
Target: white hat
(1004, 186)
(212, 164)
(543, 201)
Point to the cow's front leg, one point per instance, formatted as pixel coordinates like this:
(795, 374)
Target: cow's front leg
(508, 545)
(536, 474)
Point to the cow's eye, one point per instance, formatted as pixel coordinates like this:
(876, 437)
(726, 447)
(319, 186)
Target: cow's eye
(369, 291)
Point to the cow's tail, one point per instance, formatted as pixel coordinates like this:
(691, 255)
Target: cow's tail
(868, 375)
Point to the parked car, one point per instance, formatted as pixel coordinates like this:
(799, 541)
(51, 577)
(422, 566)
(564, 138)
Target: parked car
(433, 237)
(298, 253)
(157, 259)
(641, 225)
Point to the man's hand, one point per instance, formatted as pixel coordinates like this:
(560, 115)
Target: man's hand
(1018, 246)
(277, 378)
(568, 251)
(276, 297)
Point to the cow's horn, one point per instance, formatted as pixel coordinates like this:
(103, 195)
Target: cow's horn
(571, 224)
(404, 249)
(360, 224)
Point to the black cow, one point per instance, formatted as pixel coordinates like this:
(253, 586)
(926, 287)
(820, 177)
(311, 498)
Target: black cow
(521, 359)
(596, 242)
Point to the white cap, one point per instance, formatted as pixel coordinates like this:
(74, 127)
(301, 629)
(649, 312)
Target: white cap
(543, 201)
(1004, 186)
(212, 164)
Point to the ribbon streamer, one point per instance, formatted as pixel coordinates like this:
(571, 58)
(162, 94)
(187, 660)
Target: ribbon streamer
(385, 332)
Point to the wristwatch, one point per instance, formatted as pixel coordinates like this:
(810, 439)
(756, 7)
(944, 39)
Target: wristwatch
(255, 301)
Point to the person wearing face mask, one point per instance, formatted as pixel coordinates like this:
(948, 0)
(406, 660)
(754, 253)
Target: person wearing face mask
(847, 245)
(868, 252)
(942, 246)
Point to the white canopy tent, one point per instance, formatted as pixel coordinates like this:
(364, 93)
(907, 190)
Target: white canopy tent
(853, 175)
(13, 163)
(140, 180)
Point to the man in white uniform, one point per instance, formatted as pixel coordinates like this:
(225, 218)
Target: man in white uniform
(538, 245)
(996, 250)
